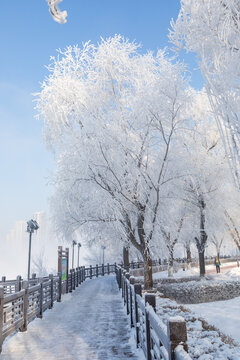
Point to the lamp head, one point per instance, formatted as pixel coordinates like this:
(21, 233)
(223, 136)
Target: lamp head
(32, 225)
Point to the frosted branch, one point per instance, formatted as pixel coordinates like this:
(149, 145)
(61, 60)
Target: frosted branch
(58, 15)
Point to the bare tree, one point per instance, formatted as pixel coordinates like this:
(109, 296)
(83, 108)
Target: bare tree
(233, 229)
(218, 243)
(39, 265)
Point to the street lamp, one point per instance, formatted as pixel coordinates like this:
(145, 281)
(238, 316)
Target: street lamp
(73, 244)
(79, 245)
(31, 226)
(103, 248)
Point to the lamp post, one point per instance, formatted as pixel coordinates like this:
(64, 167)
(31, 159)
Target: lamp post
(103, 248)
(31, 226)
(73, 244)
(79, 245)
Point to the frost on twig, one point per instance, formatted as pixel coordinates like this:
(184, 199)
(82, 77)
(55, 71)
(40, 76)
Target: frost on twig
(58, 15)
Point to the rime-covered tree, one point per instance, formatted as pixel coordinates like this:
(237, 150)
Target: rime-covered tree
(211, 30)
(208, 176)
(114, 118)
(171, 237)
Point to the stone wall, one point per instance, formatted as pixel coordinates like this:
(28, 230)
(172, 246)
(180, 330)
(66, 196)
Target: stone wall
(195, 292)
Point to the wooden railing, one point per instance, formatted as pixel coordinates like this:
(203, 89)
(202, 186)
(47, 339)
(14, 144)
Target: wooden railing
(22, 301)
(157, 339)
(140, 264)
(163, 263)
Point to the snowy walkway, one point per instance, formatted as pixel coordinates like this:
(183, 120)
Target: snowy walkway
(89, 324)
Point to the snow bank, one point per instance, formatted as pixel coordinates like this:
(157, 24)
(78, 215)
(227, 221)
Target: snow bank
(204, 341)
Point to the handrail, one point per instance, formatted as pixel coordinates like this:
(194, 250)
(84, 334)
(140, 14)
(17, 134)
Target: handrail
(157, 340)
(22, 301)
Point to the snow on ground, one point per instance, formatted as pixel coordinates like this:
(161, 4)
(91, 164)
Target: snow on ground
(89, 324)
(225, 315)
(226, 273)
(204, 341)
(209, 325)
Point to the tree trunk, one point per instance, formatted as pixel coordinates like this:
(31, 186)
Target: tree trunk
(201, 241)
(201, 262)
(170, 262)
(148, 280)
(189, 257)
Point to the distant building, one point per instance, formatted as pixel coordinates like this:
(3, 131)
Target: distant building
(44, 244)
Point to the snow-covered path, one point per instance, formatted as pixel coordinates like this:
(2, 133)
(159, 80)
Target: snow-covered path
(89, 324)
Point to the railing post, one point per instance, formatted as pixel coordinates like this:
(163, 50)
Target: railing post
(73, 278)
(137, 291)
(97, 270)
(108, 268)
(25, 306)
(41, 299)
(102, 269)
(66, 282)
(18, 283)
(1, 316)
(51, 278)
(59, 287)
(70, 290)
(80, 274)
(132, 280)
(90, 271)
(123, 282)
(177, 334)
(151, 300)
(123, 285)
(120, 278)
(127, 292)
(77, 277)
(84, 273)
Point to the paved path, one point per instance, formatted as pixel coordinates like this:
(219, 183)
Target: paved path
(223, 269)
(89, 324)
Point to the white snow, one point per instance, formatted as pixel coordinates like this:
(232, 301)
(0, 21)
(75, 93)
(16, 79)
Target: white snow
(225, 315)
(176, 318)
(226, 273)
(89, 324)
(204, 342)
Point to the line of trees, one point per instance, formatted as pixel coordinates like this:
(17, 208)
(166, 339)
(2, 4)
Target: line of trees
(139, 158)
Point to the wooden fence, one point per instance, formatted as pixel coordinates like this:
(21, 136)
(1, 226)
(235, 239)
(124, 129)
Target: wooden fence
(22, 301)
(163, 263)
(158, 341)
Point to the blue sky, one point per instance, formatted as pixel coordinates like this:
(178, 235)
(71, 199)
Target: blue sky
(28, 37)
